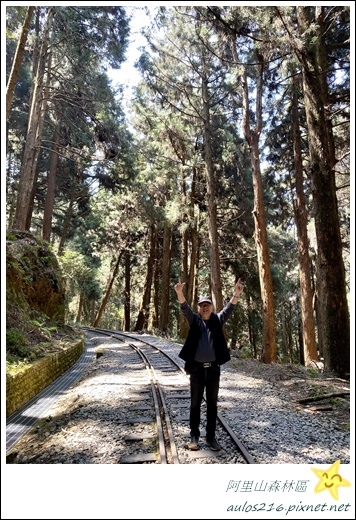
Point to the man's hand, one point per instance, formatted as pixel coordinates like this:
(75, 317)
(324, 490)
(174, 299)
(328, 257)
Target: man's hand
(238, 289)
(179, 286)
(179, 290)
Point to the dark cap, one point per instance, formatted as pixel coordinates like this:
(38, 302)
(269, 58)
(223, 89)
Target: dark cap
(204, 299)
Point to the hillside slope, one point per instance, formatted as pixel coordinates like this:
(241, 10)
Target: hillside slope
(35, 301)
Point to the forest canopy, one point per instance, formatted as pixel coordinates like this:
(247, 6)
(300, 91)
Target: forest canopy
(231, 160)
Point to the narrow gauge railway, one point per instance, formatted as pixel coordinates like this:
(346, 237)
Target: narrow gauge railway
(88, 414)
(125, 401)
(170, 399)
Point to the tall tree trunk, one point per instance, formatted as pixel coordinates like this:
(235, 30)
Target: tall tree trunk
(16, 64)
(194, 222)
(289, 328)
(183, 325)
(51, 185)
(251, 325)
(166, 269)
(80, 307)
(10, 190)
(46, 96)
(67, 219)
(335, 321)
(316, 307)
(142, 318)
(215, 276)
(301, 343)
(92, 310)
(127, 304)
(108, 292)
(285, 356)
(269, 354)
(301, 222)
(28, 166)
(234, 328)
(156, 283)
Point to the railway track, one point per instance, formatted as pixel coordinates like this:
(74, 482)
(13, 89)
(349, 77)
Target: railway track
(171, 399)
(149, 412)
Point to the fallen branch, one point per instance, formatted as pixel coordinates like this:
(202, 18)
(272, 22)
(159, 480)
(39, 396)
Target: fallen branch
(322, 397)
(320, 408)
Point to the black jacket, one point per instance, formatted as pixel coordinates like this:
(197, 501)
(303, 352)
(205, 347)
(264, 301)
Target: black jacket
(219, 342)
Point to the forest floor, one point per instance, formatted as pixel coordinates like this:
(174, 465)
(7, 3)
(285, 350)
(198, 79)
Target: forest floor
(325, 392)
(266, 403)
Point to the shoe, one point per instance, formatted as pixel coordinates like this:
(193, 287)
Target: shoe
(193, 445)
(213, 444)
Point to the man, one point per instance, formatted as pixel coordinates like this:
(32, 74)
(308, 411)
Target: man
(204, 350)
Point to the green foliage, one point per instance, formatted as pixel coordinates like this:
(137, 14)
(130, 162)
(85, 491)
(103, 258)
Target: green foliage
(34, 306)
(15, 365)
(44, 329)
(15, 339)
(246, 353)
(123, 182)
(18, 351)
(14, 19)
(81, 278)
(312, 371)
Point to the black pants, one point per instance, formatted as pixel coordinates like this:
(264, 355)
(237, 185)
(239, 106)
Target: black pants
(200, 378)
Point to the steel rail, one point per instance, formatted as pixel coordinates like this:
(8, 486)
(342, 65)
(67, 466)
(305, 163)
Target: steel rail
(241, 447)
(158, 397)
(171, 441)
(166, 420)
(22, 420)
(159, 425)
